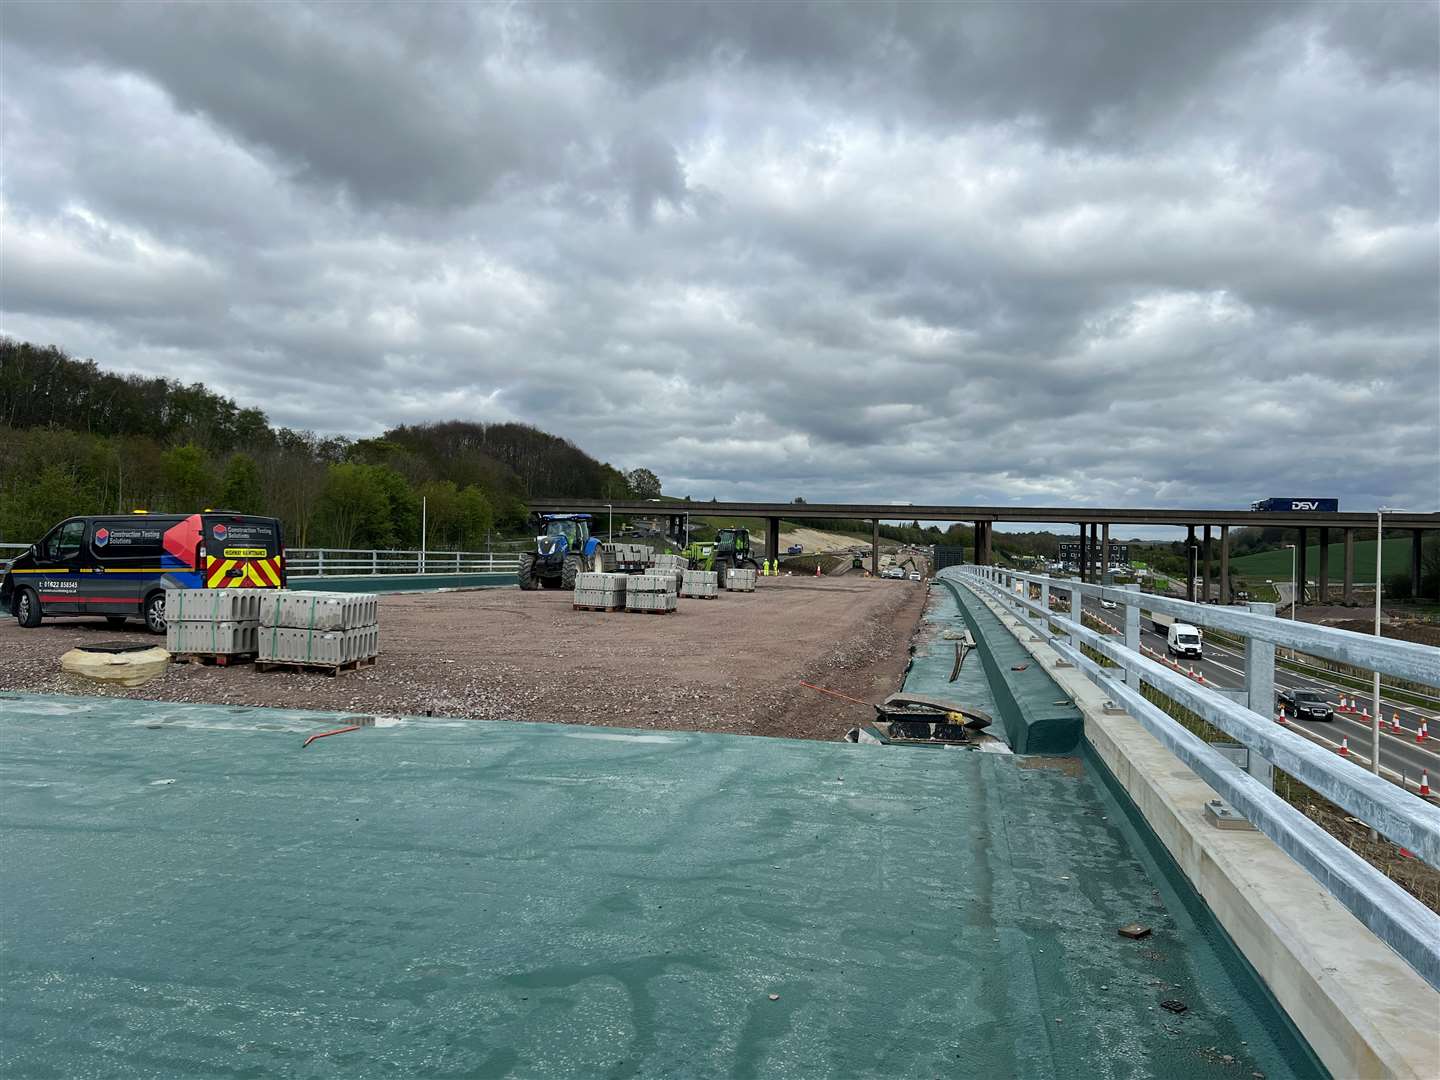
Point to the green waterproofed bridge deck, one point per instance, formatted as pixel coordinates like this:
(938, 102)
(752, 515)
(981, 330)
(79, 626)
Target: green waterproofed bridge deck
(187, 892)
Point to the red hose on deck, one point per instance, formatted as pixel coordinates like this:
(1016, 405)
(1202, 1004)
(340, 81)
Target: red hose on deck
(323, 734)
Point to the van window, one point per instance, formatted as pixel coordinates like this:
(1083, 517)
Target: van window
(119, 537)
(64, 543)
(233, 537)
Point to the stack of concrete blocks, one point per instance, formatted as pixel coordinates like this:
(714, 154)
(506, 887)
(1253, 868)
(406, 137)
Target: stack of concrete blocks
(651, 592)
(213, 622)
(672, 564)
(741, 580)
(626, 555)
(325, 629)
(601, 590)
(702, 584)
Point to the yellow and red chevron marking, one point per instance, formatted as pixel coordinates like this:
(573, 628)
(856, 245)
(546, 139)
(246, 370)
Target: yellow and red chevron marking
(242, 573)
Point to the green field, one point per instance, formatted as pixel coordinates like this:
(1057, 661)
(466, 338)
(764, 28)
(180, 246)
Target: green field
(1275, 565)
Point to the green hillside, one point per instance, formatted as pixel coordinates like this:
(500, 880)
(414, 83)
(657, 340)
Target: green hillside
(1275, 565)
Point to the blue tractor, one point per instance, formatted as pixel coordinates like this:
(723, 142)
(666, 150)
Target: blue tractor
(563, 549)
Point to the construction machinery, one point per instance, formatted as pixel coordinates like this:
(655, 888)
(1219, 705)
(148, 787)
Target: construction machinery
(563, 549)
(732, 552)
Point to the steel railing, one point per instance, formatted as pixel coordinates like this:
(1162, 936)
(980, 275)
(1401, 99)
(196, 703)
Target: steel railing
(1389, 911)
(325, 562)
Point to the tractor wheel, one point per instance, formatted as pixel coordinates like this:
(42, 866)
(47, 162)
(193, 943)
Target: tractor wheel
(526, 573)
(574, 564)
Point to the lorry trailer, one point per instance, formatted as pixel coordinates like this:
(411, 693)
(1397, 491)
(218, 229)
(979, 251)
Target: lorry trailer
(1312, 506)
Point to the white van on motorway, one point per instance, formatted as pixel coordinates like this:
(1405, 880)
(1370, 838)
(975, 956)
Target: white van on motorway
(1183, 640)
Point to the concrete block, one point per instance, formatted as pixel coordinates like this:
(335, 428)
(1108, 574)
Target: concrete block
(699, 583)
(599, 582)
(650, 601)
(214, 605)
(741, 580)
(303, 610)
(217, 638)
(652, 583)
(299, 646)
(603, 598)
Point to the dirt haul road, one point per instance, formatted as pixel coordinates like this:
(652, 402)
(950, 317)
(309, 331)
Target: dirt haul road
(731, 664)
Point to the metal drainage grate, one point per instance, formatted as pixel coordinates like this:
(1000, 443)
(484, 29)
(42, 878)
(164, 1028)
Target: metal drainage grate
(114, 647)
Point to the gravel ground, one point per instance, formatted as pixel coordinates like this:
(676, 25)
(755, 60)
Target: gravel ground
(731, 664)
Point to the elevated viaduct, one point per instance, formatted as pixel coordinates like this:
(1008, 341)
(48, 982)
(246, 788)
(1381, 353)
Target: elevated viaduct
(1203, 528)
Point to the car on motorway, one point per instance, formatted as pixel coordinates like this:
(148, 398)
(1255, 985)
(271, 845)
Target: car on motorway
(1306, 704)
(914, 575)
(1108, 605)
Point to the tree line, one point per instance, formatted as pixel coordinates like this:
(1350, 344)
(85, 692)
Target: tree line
(75, 439)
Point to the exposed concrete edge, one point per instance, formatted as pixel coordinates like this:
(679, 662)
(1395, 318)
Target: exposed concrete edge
(1364, 1011)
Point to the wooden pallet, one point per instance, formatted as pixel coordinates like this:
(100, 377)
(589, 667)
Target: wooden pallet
(213, 659)
(595, 607)
(332, 670)
(699, 596)
(650, 611)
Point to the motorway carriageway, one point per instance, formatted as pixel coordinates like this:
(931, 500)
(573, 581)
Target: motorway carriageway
(1224, 668)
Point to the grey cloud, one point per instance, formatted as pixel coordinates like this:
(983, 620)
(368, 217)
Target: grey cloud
(1084, 253)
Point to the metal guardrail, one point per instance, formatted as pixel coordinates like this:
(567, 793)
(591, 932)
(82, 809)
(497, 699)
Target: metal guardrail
(323, 562)
(1395, 916)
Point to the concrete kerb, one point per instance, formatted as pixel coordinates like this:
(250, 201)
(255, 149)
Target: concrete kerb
(1361, 1007)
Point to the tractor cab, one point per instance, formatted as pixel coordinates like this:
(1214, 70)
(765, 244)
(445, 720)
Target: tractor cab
(563, 533)
(563, 549)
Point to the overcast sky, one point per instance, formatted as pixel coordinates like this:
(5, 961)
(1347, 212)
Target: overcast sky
(1160, 254)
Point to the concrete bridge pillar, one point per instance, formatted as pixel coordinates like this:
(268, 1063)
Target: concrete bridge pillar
(772, 537)
(1190, 563)
(1205, 572)
(875, 548)
(1095, 548)
(1224, 564)
(1349, 586)
(1105, 553)
(1415, 562)
(1324, 565)
(1301, 542)
(1084, 553)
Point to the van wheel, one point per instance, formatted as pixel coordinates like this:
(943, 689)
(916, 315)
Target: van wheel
(27, 608)
(155, 612)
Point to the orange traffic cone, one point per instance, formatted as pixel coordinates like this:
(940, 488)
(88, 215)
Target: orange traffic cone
(1344, 747)
(1395, 723)
(1281, 718)
(1425, 783)
(1364, 716)
(1342, 707)
(1424, 732)
(817, 569)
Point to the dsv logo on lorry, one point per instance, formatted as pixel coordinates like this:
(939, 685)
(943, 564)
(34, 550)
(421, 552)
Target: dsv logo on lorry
(1304, 504)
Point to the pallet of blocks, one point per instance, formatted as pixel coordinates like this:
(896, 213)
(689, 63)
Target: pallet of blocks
(324, 631)
(218, 626)
(665, 561)
(597, 591)
(740, 580)
(700, 584)
(623, 557)
(651, 593)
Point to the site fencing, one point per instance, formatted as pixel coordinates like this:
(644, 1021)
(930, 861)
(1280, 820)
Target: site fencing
(323, 562)
(1395, 916)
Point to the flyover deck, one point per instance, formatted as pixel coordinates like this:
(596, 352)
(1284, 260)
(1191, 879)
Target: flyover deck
(187, 891)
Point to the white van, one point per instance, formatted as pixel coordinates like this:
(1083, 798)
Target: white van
(1183, 640)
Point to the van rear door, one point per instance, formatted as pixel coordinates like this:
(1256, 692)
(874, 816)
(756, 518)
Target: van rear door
(242, 552)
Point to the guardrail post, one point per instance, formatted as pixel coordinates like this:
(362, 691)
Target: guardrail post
(1132, 634)
(374, 561)
(1045, 606)
(320, 566)
(1260, 689)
